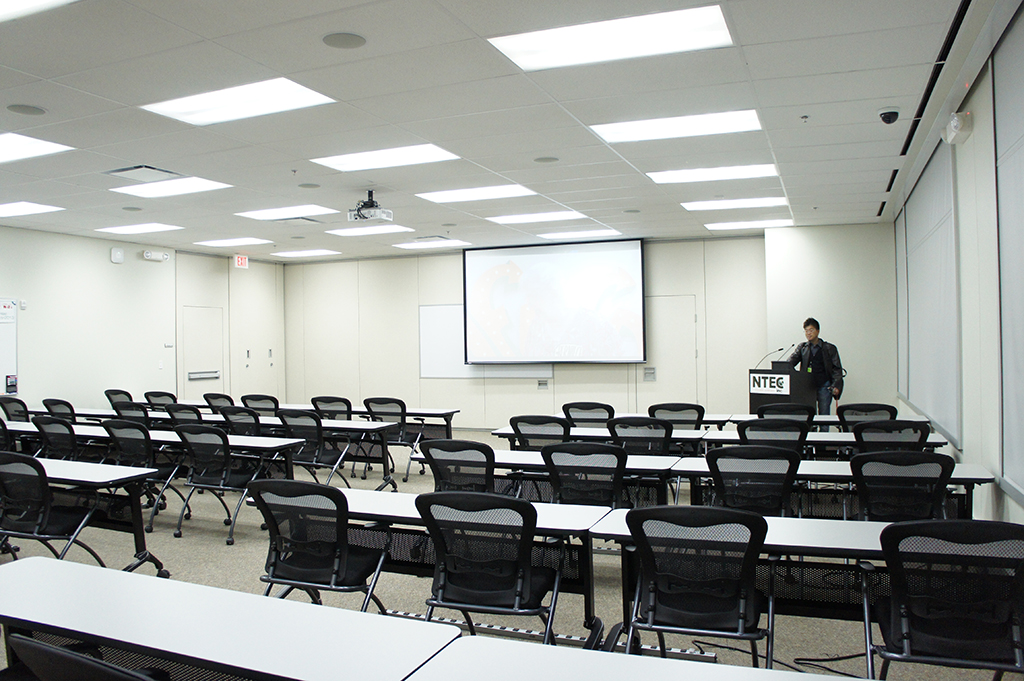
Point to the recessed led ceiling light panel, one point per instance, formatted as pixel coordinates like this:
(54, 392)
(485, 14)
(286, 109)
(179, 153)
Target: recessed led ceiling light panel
(12, 9)
(440, 243)
(752, 224)
(679, 126)
(585, 234)
(714, 174)
(15, 147)
(19, 208)
(242, 101)
(368, 231)
(505, 191)
(287, 212)
(184, 185)
(728, 204)
(307, 254)
(227, 243)
(700, 28)
(387, 158)
(146, 228)
(527, 218)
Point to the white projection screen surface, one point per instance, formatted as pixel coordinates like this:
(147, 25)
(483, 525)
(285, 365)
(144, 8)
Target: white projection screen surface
(562, 303)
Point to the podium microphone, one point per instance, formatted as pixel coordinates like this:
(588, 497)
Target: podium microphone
(766, 356)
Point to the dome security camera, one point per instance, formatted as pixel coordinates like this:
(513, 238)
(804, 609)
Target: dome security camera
(889, 115)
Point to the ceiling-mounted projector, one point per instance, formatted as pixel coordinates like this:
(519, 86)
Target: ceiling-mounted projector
(369, 210)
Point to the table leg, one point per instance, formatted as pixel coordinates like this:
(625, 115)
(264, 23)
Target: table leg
(388, 479)
(142, 554)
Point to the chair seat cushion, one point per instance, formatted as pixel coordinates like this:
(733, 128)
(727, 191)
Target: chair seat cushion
(305, 567)
(479, 589)
(947, 635)
(64, 520)
(691, 610)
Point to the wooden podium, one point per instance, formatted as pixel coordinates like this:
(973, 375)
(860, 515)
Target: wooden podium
(781, 383)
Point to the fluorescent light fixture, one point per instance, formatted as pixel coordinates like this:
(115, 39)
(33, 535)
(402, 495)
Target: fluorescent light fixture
(242, 101)
(680, 126)
(19, 208)
(700, 28)
(554, 216)
(714, 174)
(752, 224)
(505, 191)
(367, 231)
(306, 254)
(14, 147)
(13, 9)
(440, 243)
(184, 185)
(728, 204)
(387, 158)
(584, 234)
(227, 243)
(287, 212)
(146, 228)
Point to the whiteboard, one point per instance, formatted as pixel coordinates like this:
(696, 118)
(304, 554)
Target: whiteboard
(442, 349)
(8, 346)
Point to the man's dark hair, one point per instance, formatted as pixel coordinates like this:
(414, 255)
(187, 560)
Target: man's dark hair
(811, 321)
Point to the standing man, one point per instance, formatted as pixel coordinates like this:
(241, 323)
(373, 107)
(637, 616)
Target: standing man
(821, 359)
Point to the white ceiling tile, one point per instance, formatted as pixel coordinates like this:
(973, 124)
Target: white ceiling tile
(543, 117)
(877, 84)
(663, 103)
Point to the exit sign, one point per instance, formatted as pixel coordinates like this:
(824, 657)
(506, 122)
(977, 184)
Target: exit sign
(242, 261)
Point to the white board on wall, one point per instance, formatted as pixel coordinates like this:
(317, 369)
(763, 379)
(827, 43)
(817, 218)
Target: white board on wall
(443, 354)
(8, 344)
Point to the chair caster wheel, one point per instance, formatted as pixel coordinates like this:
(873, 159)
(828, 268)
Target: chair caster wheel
(422, 472)
(227, 521)
(177, 534)
(188, 516)
(149, 529)
(263, 526)
(405, 479)
(229, 542)
(163, 574)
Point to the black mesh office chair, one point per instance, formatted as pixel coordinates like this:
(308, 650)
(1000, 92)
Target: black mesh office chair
(58, 438)
(852, 414)
(697, 574)
(133, 411)
(14, 409)
(333, 408)
(894, 486)
(158, 399)
(315, 454)
(956, 596)
(484, 544)
(53, 663)
(787, 433)
(264, 405)
(6, 443)
(218, 400)
(753, 478)
(29, 509)
(61, 409)
(241, 420)
(682, 416)
(585, 414)
(533, 432)
(787, 410)
(115, 395)
(460, 465)
(183, 413)
(312, 547)
(588, 473)
(641, 434)
(407, 435)
(876, 436)
(213, 466)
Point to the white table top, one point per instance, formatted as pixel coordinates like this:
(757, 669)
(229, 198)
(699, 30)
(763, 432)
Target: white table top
(838, 471)
(169, 436)
(835, 438)
(498, 659)
(92, 474)
(601, 433)
(522, 459)
(220, 626)
(796, 536)
(827, 419)
(398, 507)
(427, 412)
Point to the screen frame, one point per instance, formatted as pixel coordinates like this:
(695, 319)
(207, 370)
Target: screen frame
(567, 244)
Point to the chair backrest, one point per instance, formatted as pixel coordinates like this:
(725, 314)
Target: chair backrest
(875, 436)
(24, 493)
(264, 405)
(460, 465)
(333, 408)
(14, 409)
(115, 395)
(218, 400)
(588, 473)
(54, 663)
(956, 587)
(852, 414)
(241, 420)
(208, 455)
(641, 434)
(60, 408)
(133, 411)
(753, 478)
(300, 423)
(483, 544)
(787, 410)
(5, 437)
(682, 415)
(536, 431)
(893, 486)
(386, 409)
(697, 562)
(588, 413)
(58, 437)
(788, 433)
(308, 524)
(132, 443)
(183, 413)
(160, 398)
